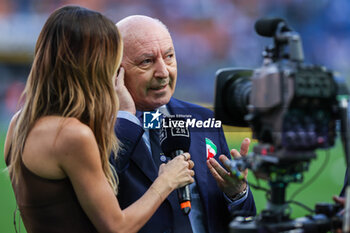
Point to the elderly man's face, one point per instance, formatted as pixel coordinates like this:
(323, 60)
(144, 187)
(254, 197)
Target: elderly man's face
(150, 66)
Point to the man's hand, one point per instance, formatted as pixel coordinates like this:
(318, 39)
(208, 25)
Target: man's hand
(126, 102)
(339, 200)
(226, 181)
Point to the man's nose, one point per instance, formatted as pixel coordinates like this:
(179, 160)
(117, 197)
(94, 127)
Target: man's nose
(161, 70)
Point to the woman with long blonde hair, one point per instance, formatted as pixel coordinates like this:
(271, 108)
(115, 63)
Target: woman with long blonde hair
(58, 145)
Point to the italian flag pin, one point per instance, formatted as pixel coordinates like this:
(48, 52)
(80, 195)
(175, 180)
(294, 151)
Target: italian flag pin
(211, 148)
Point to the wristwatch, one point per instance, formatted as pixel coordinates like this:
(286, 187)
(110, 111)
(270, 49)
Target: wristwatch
(240, 194)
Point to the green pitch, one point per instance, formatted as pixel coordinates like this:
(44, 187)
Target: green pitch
(328, 183)
(7, 199)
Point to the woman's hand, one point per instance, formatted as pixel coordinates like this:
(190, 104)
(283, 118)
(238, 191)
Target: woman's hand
(126, 102)
(177, 172)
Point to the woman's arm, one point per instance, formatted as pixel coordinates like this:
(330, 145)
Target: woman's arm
(78, 156)
(9, 135)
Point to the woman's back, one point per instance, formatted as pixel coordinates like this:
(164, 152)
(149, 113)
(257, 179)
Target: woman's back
(44, 194)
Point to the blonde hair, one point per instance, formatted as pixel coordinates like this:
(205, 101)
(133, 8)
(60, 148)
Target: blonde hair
(76, 56)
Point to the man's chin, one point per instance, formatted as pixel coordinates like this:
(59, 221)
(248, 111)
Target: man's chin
(151, 105)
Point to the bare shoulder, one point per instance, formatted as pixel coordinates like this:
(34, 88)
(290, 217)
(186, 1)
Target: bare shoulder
(73, 136)
(57, 142)
(75, 149)
(10, 131)
(72, 128)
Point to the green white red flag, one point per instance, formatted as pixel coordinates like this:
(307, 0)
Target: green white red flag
(211, 148)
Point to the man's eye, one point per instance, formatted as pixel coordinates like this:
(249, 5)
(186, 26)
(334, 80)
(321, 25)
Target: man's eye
(170, 55)
(146, 62)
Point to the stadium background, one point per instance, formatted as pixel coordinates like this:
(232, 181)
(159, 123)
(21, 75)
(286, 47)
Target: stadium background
(207, 34)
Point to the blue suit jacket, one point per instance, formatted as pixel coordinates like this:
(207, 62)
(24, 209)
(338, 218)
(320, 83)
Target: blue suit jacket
(137, 171)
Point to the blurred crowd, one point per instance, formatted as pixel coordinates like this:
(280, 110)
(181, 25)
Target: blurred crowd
(208, 35)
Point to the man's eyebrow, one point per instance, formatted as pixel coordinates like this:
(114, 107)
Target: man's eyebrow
(171, 49)
(151, 55)
(146, 55)
(143, 57)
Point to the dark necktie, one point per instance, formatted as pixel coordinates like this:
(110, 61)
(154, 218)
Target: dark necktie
(154, 141)
(155, 146)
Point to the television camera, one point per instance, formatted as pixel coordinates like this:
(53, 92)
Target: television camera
(292, 109)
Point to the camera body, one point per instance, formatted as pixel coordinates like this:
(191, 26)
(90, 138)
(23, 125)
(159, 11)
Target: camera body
(291, 107)
(287, 104)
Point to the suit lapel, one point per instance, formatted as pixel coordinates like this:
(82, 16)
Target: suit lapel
(143, 160)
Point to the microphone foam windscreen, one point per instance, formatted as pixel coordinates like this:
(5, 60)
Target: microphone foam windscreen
(174, 136)
(267, 27)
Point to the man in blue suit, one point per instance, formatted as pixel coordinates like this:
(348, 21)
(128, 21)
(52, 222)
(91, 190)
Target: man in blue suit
(146, 82)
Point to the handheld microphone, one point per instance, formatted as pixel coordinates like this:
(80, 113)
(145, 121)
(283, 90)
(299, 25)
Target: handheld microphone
(175, 140)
